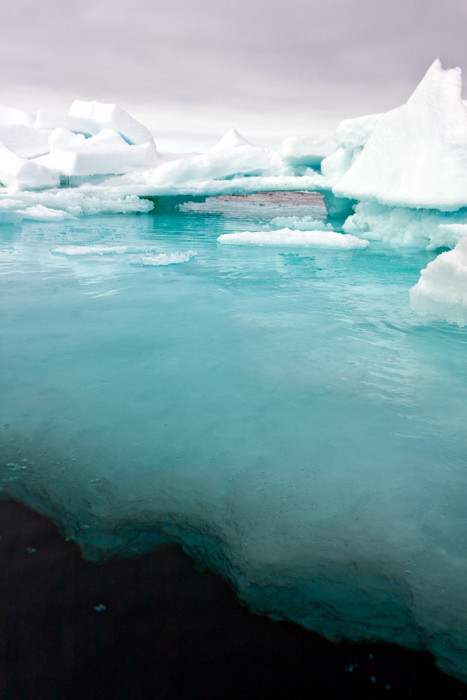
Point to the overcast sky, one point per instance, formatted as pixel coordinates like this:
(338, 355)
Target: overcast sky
(270, 68)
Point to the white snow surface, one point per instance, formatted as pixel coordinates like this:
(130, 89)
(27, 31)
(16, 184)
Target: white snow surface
(306, 150)
(231, 139)
(294, 238)
(98, 115)
(415, 155)
(402, 227)
(442, 288)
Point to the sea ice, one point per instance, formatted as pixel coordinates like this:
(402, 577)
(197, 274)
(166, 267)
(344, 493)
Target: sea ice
(22, 174)
(25, 141)
(98, 115)
(10, 115)
(442, 288)
(162, 259)
(307, 151)
(402, 227)
(294, 238)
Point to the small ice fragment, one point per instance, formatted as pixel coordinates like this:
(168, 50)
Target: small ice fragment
(100, 607)
(167, 258)
(31, 550)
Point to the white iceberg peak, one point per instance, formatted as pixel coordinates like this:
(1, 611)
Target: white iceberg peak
(415, 155)
(231, 139)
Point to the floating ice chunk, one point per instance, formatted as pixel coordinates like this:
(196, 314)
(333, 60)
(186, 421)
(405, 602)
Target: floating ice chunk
(41, 213)
(21, 174)
(401, 227)
(60, 119)
(289, 238)
(307, 150)
(98, 115)
(89, 249)
(415, 155)
(25, 141)
(168, 258)
(10, 115)
(442, 288)
(231, 139)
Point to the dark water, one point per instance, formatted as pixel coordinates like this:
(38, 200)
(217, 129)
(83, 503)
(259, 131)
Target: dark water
(167, 631)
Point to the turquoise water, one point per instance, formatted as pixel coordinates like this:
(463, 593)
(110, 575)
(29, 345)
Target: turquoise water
(282, 413)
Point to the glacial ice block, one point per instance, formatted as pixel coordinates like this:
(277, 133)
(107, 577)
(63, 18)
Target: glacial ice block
(416, 154)
(25, 141)
(105, 153)
(10, 115)
(22, 174)
(60, 119)
(442, 288)
(98, 115)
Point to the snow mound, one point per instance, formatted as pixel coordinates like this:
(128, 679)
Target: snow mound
(289, 238)
(442, 288)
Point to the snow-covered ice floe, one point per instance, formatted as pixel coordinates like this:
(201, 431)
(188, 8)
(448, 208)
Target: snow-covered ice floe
(296, 239)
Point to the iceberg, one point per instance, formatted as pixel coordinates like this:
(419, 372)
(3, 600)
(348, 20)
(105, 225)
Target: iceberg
(414, 155)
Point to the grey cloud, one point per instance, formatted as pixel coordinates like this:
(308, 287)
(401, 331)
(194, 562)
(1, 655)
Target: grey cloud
(250, 55)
